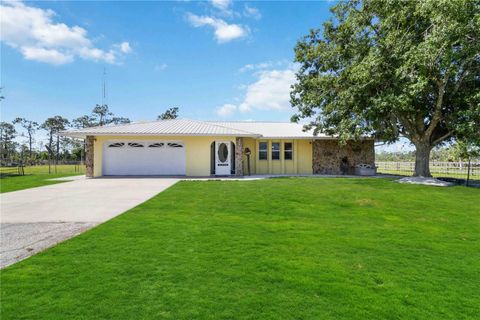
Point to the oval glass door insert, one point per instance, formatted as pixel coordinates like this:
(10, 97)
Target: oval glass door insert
(222, 152)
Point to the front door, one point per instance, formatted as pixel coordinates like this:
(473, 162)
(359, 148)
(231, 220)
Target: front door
(222, 158)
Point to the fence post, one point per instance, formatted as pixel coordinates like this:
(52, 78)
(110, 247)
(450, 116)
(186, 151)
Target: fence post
(468, 173)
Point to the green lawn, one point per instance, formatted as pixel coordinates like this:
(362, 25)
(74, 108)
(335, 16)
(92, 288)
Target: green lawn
(434, 174)
(15, 183)
(60, 169)
(289, 248)
(37, 176)
(43, 169)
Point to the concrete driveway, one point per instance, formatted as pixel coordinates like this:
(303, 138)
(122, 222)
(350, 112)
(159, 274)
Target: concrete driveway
(37, 218)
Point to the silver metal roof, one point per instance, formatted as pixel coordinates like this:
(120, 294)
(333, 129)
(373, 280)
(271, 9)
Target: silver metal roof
(176, 127)
(185, 127)
(268, 129)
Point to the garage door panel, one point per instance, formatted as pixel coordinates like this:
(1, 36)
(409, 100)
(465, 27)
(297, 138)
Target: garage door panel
(144, 158)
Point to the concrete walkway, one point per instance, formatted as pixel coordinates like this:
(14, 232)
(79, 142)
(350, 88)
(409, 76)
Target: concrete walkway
(37, 218)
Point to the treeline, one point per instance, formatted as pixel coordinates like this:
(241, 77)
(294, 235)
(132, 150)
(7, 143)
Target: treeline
(56, 148)
(452, 153)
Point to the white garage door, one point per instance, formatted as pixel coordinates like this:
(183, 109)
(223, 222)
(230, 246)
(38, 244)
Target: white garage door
(143, 158)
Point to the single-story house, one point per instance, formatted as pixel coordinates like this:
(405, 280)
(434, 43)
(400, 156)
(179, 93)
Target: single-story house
(222, 148)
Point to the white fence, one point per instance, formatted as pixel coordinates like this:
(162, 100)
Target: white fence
(438, 169)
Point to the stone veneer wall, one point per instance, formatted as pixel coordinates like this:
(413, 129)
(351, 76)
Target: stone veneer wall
(328, 155)
(239, 157)
(89, 156)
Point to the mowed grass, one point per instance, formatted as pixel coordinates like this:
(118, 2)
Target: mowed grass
(288, 248)
(457, 175)
(59, 169)
(37, 176)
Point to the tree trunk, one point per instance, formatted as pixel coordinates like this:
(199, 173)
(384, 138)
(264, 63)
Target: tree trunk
(50, 141)
(58, 150)
(30, 138)
(422, 160)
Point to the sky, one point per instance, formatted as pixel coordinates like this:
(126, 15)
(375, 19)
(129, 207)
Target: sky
(214, 60)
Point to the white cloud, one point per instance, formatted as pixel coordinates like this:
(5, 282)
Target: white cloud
(221, 4)
(246, 68)
(252, 12)
(270, 91)
(125, 47)
(33, 32)
(226, 110)
(161, 67)
(224, 7)
(97, 54)
(223, 31)
(50, 56)
(259, 67)
(256, 67)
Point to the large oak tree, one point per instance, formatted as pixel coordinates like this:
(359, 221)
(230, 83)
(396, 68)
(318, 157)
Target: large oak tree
(393, 68)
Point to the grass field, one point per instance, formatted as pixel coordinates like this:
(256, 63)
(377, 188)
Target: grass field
(438, 169)
(43, 169)
(36, 176)
(289, 248)
(60, 169)
(434, 174)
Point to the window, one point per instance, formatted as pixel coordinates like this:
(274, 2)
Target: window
(223, 152)
(156, 145)
(288, 151)
(135, 145)
(275, 151)
(262, 151)
(116, 145)
(174, 145)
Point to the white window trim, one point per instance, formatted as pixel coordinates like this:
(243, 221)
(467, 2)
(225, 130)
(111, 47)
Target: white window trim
(262, 150)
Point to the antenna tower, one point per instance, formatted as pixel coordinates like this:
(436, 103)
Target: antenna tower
(104, 87)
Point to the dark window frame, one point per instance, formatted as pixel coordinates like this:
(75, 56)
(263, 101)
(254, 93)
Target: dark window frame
(174, 145)
(117, 145)
(157, 145)
(288, 151)
(135, 145)
(276, 152)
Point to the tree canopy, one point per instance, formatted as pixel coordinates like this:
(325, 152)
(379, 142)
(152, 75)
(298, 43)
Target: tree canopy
(170, 113)
(54, 125)
(7, 134)
(30, 126)
(100, 116)
(393, 68)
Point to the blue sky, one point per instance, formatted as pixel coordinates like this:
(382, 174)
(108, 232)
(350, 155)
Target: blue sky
(214, 59)
(196, 55)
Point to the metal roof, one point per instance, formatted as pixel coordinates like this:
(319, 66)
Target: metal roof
(186, 127)
(267, 129)
(175, 127)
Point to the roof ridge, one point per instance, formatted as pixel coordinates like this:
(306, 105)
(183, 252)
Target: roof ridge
(251, 121)
(225, 127)
(126, 124)
(104, 126)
